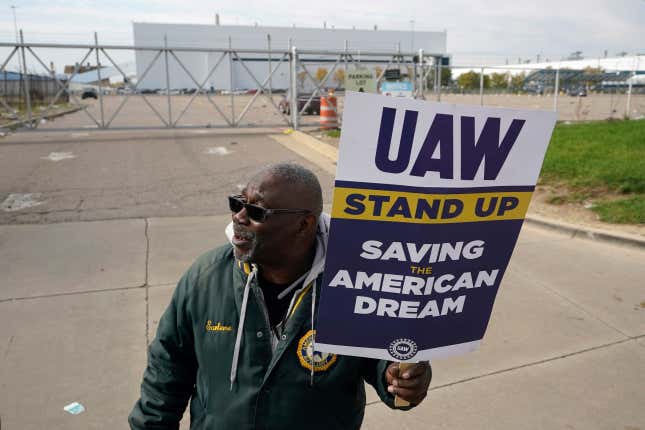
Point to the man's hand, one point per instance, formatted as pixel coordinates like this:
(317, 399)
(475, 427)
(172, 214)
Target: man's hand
(412, 384)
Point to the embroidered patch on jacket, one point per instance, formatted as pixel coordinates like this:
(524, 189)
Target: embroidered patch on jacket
(217, 327)
(320, 361)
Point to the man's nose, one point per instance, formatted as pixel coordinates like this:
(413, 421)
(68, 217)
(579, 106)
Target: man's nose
(241, 217)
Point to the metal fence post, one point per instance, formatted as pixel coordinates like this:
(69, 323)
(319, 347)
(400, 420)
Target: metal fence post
(435, 82)
(270, 76)
(422, 75)
(439, 74)
(165, 43)
(293, 103)
(628, 107)
(556, 90)
(346, 54)
(481, 87)
(98, 71)
(26, 78)
(230, 79)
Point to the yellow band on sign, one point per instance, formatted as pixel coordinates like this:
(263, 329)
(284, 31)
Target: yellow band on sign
(422, 208)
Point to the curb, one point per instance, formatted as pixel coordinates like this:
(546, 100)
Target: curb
(576, 231)
(583, 232)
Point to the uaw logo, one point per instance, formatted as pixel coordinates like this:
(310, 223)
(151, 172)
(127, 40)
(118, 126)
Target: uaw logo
(402, 349)
(320, 361)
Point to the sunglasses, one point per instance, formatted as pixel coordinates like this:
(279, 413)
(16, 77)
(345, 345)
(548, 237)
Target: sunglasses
(257, 213)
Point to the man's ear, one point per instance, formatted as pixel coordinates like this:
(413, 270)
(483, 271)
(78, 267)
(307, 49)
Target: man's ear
(308, 224)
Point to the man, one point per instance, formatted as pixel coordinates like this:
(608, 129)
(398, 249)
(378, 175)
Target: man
(238, 337)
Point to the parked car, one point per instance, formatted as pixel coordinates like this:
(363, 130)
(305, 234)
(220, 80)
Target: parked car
(532, 88)
(165, 92)
(125, 91)
(312, 109)
(89, 93)
(577, 92)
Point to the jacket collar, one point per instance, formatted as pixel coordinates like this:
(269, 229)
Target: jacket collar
(317, 267)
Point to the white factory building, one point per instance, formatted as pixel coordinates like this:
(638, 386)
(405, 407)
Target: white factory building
(359, 43)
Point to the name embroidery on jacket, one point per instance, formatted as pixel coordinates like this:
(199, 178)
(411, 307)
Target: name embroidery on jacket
(320, 361)
(217, 327)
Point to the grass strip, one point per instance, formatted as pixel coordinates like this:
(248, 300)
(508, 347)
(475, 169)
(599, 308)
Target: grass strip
(600, 160)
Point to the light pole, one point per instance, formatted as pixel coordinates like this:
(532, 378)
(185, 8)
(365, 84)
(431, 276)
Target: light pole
(15, 22)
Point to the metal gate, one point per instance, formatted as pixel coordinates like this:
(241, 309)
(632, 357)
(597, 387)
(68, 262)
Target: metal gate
(161, 105)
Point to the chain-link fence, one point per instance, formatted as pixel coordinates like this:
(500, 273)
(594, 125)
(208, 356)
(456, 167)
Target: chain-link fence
(577, 95)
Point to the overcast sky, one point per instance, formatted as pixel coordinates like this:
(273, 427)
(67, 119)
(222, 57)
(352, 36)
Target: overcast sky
(477, 30)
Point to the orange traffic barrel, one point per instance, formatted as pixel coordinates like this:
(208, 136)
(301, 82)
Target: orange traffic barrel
(328, 112)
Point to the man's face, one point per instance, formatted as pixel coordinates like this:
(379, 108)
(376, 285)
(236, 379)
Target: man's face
(267, 242)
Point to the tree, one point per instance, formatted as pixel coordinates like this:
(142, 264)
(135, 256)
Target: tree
(446, 77)
(499, 80)
(592, 76)
(517, 81)
(377, 71)
(339, 76)
(320, 74)
(470, 80)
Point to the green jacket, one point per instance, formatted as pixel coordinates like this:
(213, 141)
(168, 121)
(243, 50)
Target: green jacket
(191, 358)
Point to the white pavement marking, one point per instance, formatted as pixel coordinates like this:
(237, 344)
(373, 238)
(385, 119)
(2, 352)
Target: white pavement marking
(218, 150)
(16, 201)
(80, 134)
(58, 156)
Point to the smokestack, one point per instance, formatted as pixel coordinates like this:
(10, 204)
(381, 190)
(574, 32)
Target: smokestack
(217, 19)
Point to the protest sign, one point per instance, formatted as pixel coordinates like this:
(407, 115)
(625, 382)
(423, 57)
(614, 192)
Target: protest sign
(428, 203)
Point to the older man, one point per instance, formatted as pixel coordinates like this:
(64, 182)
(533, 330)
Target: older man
(238, 338)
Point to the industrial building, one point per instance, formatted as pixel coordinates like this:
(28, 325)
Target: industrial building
(42, 88)
(231, 74)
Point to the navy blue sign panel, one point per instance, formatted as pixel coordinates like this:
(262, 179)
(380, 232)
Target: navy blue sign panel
(368, 324)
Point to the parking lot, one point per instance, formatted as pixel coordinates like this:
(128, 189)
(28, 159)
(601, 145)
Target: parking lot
(201, 112)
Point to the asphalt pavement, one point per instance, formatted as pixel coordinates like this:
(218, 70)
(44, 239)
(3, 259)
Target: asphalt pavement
(84, 284)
